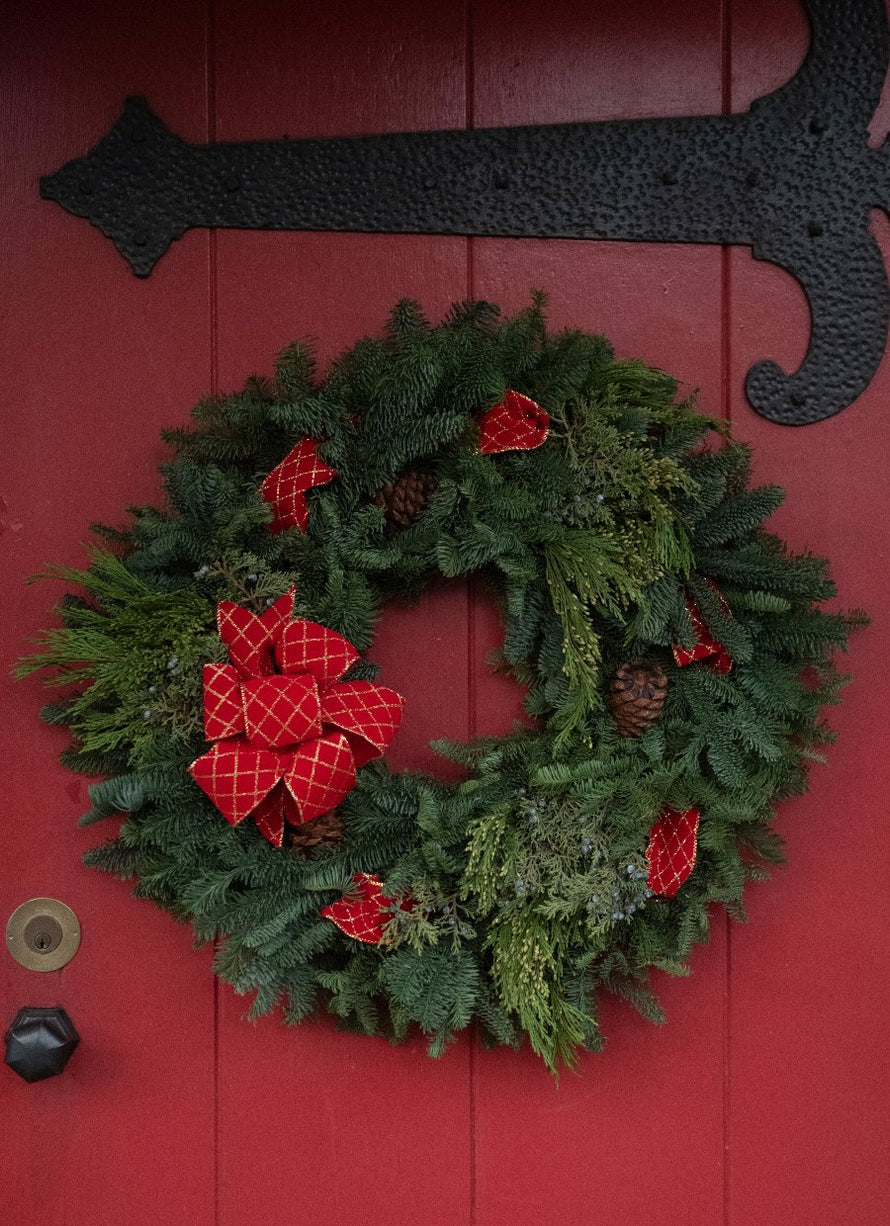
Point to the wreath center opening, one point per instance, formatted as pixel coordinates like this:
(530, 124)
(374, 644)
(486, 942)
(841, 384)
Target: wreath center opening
(436, 653)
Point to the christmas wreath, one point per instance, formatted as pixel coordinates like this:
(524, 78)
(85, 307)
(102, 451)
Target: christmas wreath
(673, 655)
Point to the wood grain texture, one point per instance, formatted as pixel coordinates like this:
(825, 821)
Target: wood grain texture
(94, 363)
(808, 1081)
(370, 1132)
(764, 1099)
(648, 1113)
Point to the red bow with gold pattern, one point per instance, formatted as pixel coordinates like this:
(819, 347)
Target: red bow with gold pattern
(706, 647)
(289, 737)
(286, 485)
(516, 424)
(362, 913)
(673, 845)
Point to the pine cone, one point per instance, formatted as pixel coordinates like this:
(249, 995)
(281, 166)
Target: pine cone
(405, 499)
(321, 832)
(636, 695)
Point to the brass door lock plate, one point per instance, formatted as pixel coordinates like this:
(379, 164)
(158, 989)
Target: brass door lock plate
(43, 934)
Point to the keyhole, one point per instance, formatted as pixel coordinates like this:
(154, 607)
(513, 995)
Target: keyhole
(43, 934)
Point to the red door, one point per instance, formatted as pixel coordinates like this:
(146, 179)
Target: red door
(763, 1102)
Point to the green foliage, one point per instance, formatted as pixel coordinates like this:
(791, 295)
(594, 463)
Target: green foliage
(522, 891)
(139, 652)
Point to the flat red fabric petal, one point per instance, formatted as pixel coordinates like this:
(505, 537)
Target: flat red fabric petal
(223, 709)
(236, 776)
(362, 913)
(320, 774)
(281, 711)
(276, 617)
(516, 424)
(306, 646)
(283, 489)
(368, 711)
(270, 814)
(673, 846)
(249, 641)
(291, 808)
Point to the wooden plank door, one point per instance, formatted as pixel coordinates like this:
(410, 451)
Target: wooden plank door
(764, 1100)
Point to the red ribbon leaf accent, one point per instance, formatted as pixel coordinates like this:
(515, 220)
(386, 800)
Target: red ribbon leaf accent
(270, 814)
(279, 613)
(516, 424)
(237, 776)
(361, 914)
(250, 638)
(705, 647)
(673, 845)
(285, 487)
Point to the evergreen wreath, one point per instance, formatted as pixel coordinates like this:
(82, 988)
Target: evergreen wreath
(674, 658)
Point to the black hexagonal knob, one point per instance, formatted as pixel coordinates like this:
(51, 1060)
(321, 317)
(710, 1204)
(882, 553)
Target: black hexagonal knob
(39, 1043)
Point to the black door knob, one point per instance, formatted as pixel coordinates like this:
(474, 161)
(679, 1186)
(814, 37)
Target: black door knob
(39, 1043)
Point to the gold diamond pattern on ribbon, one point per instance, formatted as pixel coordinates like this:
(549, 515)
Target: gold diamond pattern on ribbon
(361, 913)
(236, 776)
(516, 424)
(285, 487)
(307, 646)
(249, 638)
(269, 815)
(368, 711)
(278, 614)
(320, 774)
(281, 711)
(249, 641)
(223, 711)
(706, 647)
(672, 850)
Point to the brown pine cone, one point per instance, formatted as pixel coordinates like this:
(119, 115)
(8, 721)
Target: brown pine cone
(323, 831)
(405, 499)
(636, 696)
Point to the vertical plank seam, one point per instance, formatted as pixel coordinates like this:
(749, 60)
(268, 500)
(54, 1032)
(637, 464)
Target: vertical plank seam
(726, 410)
(213, 357)
(469, 114)
(216, 1170)
(470, 119)
(213, 302)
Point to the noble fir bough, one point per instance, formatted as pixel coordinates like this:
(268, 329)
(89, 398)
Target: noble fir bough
(672, 651)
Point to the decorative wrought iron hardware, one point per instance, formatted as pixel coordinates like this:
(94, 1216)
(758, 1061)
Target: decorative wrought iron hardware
(793, 178)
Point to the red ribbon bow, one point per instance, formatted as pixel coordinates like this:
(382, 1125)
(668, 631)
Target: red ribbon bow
(706, 647)
(516, 424)
(286, 485)
(673, 846)
(289, 738)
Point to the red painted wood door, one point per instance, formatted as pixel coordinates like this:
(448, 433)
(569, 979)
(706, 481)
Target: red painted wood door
(764, 1100)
